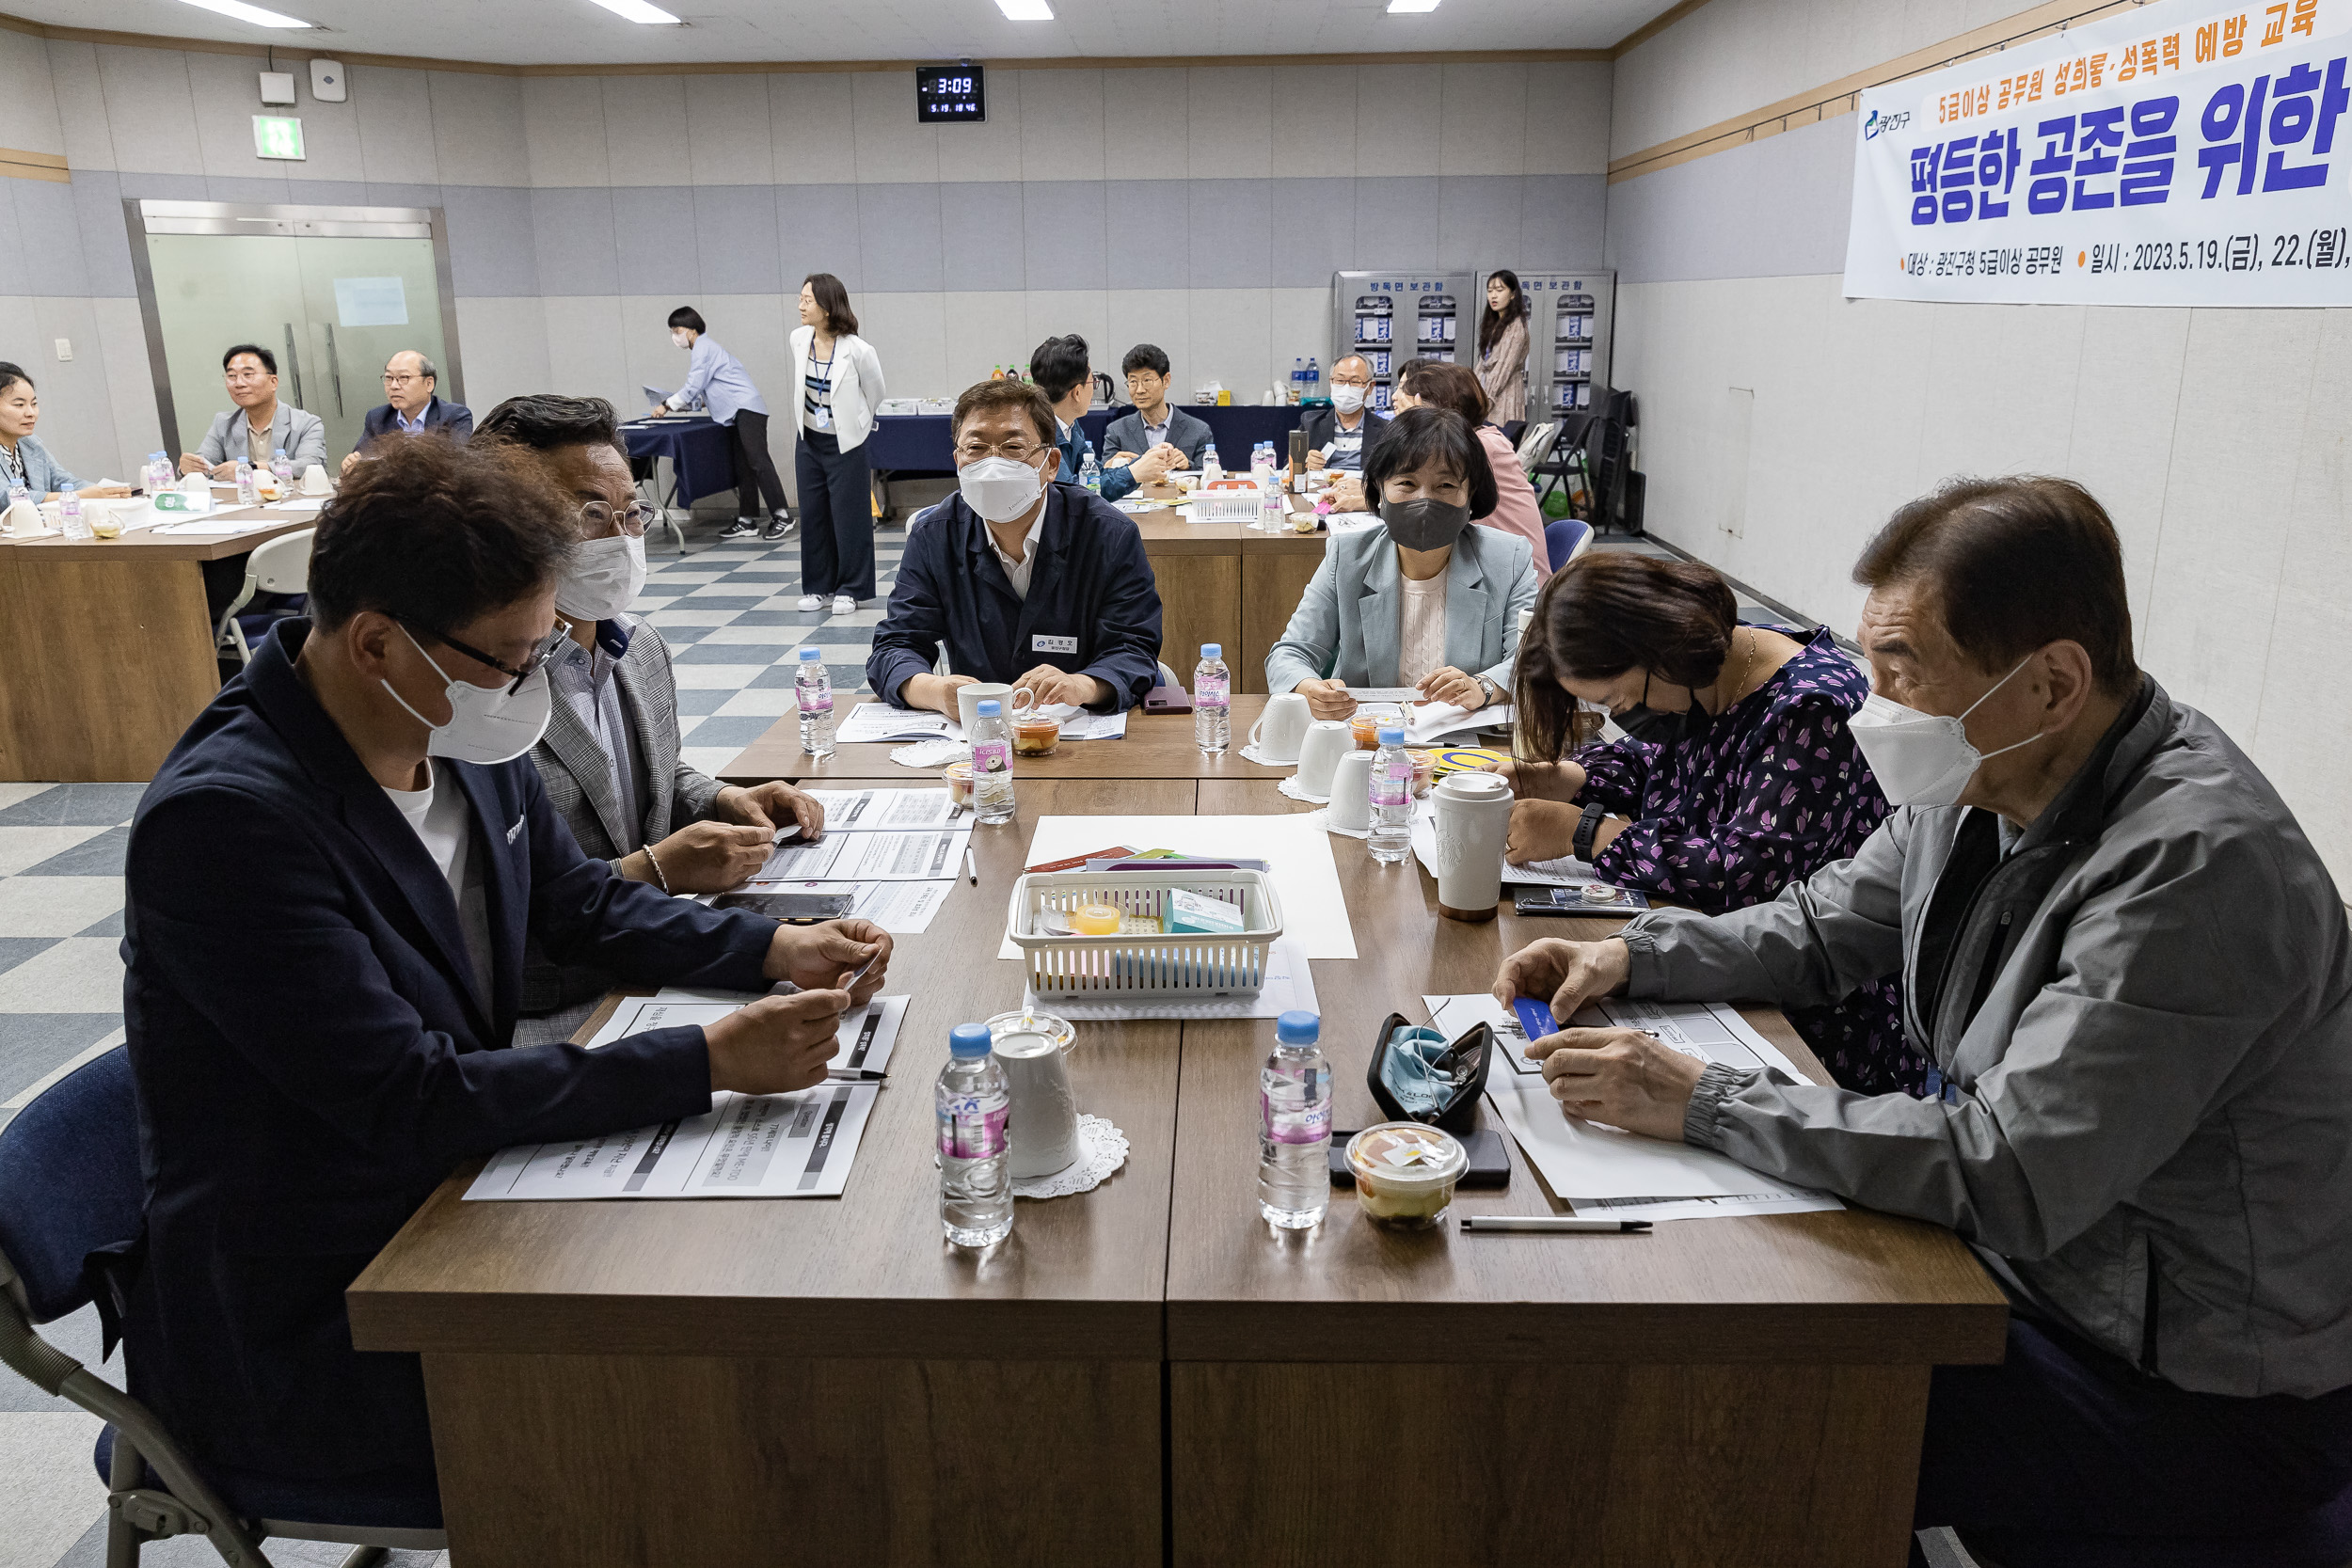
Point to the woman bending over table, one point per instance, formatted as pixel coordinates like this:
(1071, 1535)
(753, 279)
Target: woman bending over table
(1737, 778)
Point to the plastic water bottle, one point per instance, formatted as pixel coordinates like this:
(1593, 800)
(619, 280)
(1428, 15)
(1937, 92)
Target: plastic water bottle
(1211, 702)
(1273, 518)
(1090, 471)
(1211, 469)
(1314, 377)
(248, 493)
(974, 1180)
(1298, 378)
(158, 477)
(1391, 836)
(1294, 1126)
(991, 763)
(282, 466)
(70, 511)
(812, 685)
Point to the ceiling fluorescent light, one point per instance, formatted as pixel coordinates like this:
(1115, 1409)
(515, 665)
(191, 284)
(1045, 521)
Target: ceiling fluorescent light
(1025, 11)
(1402, 8)
(254, 14)
(638, 11)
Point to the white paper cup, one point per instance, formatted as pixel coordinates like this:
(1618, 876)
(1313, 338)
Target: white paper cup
(1351, 792)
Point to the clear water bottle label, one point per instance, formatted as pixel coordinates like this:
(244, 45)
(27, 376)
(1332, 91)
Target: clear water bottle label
(1394, 785)
(971, 1134)
(992, 756)
(1212, 691)
(1303, 1124)
(813, 700)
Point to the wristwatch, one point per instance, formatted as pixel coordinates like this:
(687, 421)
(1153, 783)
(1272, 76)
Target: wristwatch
(1586, 826)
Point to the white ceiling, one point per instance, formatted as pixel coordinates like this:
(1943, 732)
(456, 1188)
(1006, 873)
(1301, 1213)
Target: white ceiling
(573, 32)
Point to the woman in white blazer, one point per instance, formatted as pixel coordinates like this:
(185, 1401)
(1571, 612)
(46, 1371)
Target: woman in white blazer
(839, 384)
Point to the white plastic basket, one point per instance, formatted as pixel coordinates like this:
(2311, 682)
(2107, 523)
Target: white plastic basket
(1144, 965)
(1225, 506)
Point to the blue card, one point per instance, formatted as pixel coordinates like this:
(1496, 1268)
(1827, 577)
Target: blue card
(1535, 1017)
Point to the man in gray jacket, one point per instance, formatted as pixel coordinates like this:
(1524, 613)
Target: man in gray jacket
(2134, 975)
(260, 426)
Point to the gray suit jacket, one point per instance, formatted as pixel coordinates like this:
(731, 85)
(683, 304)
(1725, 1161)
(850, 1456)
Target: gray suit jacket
(578, 780)
(303, 436)
(1186, 433)
(1346, 626)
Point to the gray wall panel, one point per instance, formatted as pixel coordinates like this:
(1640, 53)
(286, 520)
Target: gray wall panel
(1775, 208)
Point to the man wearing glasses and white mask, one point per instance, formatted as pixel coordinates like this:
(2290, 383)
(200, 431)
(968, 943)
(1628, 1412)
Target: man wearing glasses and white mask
(609, 758)
(1024, 580)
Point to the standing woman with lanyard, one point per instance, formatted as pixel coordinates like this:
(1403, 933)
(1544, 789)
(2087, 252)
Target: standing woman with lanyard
(1503, 348)
(719, 379)
(840, 387)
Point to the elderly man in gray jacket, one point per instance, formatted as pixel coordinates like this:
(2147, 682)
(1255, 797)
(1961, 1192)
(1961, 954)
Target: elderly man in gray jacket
(2134, 975)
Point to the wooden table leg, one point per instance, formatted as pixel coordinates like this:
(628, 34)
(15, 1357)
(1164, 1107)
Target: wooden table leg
(1572, 1464)
(1272, 583)
(717, 1462)
(1199, 602)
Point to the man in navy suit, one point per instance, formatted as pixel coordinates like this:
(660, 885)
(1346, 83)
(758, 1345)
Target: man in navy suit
(328, 888)
(415, 406)
(1041, 584)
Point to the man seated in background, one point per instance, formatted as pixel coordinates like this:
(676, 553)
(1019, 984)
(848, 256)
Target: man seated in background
(1024, 580)
(1338, 436)
(260, 426)
(1062, 373)
(1155, 433)
(2134, 976)
(328, 890)
(609, 758)
(413, 405)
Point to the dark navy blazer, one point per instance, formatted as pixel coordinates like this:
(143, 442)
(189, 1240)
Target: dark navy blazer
(380, 420)
(312, 1060)
(1091, 583)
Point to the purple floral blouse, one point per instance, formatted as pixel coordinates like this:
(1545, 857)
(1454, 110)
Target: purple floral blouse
(1774, 790)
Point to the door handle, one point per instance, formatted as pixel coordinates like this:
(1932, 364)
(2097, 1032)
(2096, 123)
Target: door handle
(334, 370)
(293, 366)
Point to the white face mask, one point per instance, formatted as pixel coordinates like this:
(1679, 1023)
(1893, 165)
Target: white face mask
(604, 577)
(484, 725)
(1922, 759)
(998, 488)
(1346, 399)
(681, 340)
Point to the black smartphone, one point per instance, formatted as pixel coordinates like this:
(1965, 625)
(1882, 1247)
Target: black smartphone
(793, 908)
(1489, 1161)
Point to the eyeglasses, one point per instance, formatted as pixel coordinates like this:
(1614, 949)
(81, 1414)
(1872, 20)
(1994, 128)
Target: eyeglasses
(603, 520)
(1020, 450)
(1144, 383)
(393, 380)
(546, 648)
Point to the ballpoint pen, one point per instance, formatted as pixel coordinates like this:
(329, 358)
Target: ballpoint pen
(854, 1075)
(971, 868)
(1555, 1224)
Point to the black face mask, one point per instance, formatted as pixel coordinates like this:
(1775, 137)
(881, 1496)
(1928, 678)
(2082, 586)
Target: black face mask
(1657, 728)
(1425, 524)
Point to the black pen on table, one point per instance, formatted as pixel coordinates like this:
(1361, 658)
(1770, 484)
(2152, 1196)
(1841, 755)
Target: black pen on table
(1554, 1224)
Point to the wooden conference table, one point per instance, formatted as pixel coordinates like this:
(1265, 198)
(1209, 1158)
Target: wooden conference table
(106, 646)
(1226, 584)
(1147, 1373)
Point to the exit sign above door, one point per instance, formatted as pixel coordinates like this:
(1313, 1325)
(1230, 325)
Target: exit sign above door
(278, 137)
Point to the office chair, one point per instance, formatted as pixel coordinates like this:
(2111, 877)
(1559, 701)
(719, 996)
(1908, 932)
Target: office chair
(1564, 539)
(69, 1186)
(280, 566)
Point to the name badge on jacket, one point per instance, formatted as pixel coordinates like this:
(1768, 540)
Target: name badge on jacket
(1041, 644)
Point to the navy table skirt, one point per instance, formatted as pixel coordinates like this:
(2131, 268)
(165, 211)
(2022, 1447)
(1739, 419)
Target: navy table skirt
(917, 443)
(701, 450)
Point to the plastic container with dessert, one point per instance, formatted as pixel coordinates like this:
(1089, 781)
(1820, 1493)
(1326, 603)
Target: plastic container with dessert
(1406, 1173)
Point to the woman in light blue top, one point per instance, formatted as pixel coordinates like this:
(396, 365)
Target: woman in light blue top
(23, 461)
(717, 379)
(1423, 600)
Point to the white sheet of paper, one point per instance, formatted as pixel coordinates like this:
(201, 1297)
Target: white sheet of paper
(1582, 1160)
(747, 1145)
(853, 811)
(872, 721)
(866, 1039)
(1425, 722)
(1298, 853)
(902, 908)
(300, 503)
(882, 856)
(371, 302)
(1710, 1031)
(1290, 982)
(210, 526)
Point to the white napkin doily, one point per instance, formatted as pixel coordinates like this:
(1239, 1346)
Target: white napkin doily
(1251, 754)
(1297, 791)
(932, 754)
(1101, 1150)
(1322, 819)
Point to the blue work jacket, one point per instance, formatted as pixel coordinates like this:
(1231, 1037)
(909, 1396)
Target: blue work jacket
(1091, 585)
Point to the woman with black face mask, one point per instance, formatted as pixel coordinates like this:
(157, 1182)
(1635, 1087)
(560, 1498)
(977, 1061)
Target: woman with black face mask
(1423, 600)
(1738, 776)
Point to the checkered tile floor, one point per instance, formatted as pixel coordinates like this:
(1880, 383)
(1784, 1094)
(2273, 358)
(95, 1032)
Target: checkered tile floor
(726, 610)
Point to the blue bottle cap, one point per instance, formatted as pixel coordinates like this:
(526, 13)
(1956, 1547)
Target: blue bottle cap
(991, 707)
(1298, 1027)
(810, 655)
(1391, 735)
(969, 1040)
(1212, 650)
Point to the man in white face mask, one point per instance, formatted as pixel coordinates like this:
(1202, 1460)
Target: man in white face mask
(2134, 976)
(1020, 579)
(328, 890)
(611, 757)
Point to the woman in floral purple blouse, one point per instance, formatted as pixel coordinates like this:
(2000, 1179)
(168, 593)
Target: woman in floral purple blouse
(1738, 777)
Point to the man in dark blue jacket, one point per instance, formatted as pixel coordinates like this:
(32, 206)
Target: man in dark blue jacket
(413, 405)
(328, 887)
(1036, 583)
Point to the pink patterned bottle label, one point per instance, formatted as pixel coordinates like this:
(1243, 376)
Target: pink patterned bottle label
(972, 1134)
(1213, 691)
(1394, 785)
(813, 701)
(992, 756)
